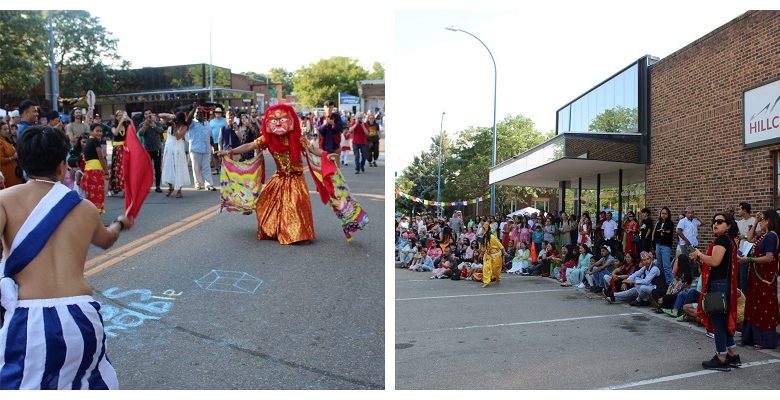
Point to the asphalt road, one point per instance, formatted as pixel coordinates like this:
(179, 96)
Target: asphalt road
(530, 333)
(192, 300)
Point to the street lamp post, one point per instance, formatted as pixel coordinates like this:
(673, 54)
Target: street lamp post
(441, 144)
(495, 87)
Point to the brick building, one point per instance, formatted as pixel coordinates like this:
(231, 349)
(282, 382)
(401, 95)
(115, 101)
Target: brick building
(696, 97)
(700, 127)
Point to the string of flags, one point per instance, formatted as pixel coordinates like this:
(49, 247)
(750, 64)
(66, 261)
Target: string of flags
(72, 100)
(442, 203)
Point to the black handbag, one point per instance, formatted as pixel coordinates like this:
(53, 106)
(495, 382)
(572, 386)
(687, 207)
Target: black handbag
(714, 303)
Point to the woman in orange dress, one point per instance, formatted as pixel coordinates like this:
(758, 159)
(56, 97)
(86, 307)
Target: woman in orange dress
(284, 208)
(8, 159)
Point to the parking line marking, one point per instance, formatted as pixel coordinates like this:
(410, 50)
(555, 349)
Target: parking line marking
(481, 294)
(525, 323)
(686, 375)
(150, 240)
(123, 249)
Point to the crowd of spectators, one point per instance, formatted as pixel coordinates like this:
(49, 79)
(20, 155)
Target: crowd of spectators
(647, 261)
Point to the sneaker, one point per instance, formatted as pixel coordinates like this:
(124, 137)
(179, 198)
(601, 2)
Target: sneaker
(710, 335)
(716, 364)
(734, 361)
(158, 190)
(681, 318)
(581, 285)
(610, 299)
(357, 172)
(634, 303)
(669, 312)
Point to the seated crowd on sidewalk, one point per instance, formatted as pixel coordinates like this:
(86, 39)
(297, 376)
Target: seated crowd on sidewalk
(635, 264)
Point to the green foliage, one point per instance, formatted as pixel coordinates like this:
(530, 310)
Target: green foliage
(378, 72)
(618, 119)
(324, 80)
(281, 75)
(84, 51)
(258, 76)
(466, 166)
(23, 50)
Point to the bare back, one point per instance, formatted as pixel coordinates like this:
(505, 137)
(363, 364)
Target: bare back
(58, 270)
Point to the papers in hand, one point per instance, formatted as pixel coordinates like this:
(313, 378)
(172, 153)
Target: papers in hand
(745, 249)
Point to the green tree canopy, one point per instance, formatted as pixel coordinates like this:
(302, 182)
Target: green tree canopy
(378, 72)
(324, 80)
(84, 52)
(467, 160)
(281, 75)
(618, 119)
(23, 49)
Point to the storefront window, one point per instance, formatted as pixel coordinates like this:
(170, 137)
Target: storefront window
(609, 107)
(777, 180)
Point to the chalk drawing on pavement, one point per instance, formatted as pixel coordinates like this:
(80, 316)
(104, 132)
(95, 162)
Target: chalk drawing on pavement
(136, 312)
(229, 281)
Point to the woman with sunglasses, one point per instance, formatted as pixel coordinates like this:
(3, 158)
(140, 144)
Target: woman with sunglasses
(761, 308)
(719, 274)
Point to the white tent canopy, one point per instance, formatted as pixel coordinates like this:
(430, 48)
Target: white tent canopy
(525, 211)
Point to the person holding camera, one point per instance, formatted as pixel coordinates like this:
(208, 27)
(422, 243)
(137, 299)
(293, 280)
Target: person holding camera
(330, 127)
(152, 132)
(718, 302)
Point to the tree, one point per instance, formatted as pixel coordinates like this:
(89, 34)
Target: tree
(420, 178)
(85, 52)
(378, 72)
(281, 75)
(23, 46)
(258, 76)
(466, 166)
(618, 119)
(324, 80)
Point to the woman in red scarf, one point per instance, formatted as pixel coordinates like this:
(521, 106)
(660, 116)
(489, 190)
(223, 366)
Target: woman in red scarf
(761, 309)
(719, 274)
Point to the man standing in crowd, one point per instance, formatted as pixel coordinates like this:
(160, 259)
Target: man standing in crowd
(330, 127)
(745, 223)
(359, 144)
(151, 131)
(456, 223)
(53, 120)
(687, 232)
(609, 227)
(28, 112)
(199, 135)
(216, 125)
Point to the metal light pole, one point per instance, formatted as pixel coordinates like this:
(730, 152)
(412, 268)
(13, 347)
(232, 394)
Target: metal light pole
(441, 143)
(53, 89)
(211, 69)
(495, 87)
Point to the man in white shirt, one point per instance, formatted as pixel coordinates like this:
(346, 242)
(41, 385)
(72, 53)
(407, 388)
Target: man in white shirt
(746, 222)
(609, 226)
(688, 230)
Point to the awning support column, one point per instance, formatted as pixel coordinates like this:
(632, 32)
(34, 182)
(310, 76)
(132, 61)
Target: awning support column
(598, 196)
(620, 203)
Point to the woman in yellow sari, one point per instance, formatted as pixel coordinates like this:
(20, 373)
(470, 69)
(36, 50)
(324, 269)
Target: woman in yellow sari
(493, 258)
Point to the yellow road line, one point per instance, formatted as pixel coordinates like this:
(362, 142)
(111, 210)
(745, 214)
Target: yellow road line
(120, 254)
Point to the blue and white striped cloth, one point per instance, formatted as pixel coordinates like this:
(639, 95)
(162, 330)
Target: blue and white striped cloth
(54, 343)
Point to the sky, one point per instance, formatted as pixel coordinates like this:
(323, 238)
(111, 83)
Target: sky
(546, 56)
(245, 35)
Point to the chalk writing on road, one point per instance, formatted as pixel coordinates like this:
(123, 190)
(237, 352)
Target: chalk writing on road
(229, 281)
(144, 306)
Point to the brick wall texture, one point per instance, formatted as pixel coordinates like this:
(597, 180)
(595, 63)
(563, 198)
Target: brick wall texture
(696, 134)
